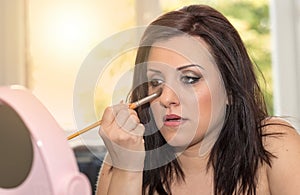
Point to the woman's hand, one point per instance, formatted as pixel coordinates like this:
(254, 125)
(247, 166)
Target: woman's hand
(122, 134)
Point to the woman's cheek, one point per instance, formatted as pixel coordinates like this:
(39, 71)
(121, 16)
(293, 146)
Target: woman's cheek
(157, 114)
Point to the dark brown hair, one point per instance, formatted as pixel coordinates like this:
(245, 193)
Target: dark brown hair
(239, 150)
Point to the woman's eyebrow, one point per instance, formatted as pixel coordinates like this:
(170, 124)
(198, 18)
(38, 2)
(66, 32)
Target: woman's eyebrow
(153, 70)
(190, 65)
(179, 68)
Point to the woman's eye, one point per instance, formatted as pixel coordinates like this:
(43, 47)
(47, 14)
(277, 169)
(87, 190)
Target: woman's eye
(155, 82)
(189, 79)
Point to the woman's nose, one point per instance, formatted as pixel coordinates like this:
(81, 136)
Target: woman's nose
(168, 97)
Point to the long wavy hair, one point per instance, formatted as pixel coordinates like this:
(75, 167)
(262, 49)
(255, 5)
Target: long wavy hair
(238, 151)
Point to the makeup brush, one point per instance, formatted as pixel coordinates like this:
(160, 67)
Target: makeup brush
(133, 105)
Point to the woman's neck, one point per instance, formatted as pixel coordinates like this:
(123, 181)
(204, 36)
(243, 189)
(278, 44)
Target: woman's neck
(191, 161)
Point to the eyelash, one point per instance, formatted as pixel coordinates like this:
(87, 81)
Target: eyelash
(187, 80)
(155, 82)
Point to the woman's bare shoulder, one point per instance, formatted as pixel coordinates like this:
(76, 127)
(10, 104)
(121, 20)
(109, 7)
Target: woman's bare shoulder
(104, 177)
(279, 133)
(280, 136)
(283, 141)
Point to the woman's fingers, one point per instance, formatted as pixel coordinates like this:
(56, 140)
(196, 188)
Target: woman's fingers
(127, 119)
(122, 126)
(139, 130)
(110, 113)
(122, 134)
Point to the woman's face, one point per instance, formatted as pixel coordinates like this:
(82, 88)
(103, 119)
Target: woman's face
(191, 108)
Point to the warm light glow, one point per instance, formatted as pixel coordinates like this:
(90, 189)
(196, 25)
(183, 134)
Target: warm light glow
(71, 28)
(61, 35)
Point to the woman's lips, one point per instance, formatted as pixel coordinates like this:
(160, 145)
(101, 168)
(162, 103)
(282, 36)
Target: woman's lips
(173, 120)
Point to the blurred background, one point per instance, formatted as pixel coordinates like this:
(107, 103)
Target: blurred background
(43, 44)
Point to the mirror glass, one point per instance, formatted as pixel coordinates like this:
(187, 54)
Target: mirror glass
(16, 148)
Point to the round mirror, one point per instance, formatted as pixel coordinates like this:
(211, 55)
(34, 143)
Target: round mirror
(16, 148)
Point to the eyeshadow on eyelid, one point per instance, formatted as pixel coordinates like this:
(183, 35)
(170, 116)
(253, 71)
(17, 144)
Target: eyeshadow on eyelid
(190, 68)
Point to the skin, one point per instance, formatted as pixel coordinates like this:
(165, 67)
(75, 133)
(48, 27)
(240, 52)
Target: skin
(194, 132)
(192, 90)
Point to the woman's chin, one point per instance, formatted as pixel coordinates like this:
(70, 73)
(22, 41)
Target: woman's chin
(179, 143)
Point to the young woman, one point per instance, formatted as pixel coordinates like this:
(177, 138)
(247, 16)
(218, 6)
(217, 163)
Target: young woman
(209, 131)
